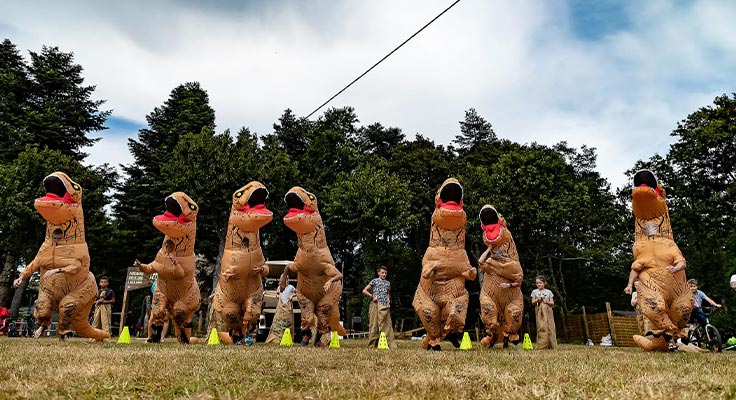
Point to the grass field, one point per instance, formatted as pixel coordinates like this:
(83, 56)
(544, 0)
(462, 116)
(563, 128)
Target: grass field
(76, 369)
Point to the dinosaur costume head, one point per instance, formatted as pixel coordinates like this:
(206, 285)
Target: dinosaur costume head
(448, 213)
(649, 206)
(495, 231)
(63, 200)
(180, 218)
(303, 216)
(249, 205)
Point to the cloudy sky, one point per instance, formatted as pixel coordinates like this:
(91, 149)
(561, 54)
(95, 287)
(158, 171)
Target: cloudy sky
(615, 75)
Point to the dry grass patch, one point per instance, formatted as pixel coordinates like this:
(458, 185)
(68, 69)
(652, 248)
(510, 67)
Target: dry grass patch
(76, 369)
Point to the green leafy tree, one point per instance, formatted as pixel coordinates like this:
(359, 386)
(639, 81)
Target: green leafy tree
(699, 175)
(23, 228)
(209, 168)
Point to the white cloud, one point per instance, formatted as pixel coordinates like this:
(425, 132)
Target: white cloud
(518, 63)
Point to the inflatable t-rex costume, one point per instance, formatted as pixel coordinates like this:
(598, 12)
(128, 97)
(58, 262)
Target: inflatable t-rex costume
(319, 283)
(239, 292)
(67, 285)
(441, 301)
(662, 288)
(177, 293)
(501, 301)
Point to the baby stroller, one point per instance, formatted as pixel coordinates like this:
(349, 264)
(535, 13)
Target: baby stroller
(4, 321)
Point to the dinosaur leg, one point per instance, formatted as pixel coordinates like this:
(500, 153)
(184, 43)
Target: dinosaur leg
(230, 312)
(252, 311)
(328, 311)
(183, 313)
(489, 315)
(429, 314)
(42, 312)
(159, 316)
(74, 311)
(309, 318)
(512, 318)
(655, 309)
(456, 311)
(679, 312)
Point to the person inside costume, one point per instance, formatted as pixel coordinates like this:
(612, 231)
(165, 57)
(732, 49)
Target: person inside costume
(319, 283)
(67, 286)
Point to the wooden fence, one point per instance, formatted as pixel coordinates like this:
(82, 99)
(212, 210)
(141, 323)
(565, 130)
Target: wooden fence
(595, 326)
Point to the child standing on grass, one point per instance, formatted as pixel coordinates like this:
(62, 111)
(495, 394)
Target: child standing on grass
(380, 309)
(543, 299)
(284, 317)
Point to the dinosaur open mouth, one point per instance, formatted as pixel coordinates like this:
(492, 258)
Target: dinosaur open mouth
(296, 205)
(55, 190)
(645, 178)
(490, 223)
(173, 212)
(451, 197)
(256, 203)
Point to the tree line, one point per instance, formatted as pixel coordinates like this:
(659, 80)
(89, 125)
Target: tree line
(375, 187)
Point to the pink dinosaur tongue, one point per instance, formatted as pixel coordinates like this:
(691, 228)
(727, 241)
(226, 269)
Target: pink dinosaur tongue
(170, 217)
(492, 231)
(451, 205)
(258, 209)
(296, 211)
(656, 189)
(52, 197)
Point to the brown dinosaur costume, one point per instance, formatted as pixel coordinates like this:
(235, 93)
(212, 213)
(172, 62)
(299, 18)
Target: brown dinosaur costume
(501, 301)
(319, 283)
(441, 301)
(239, 292)
(663, 294)
(177, 293)
(67, 285)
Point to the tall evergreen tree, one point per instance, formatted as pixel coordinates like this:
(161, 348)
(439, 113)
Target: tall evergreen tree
(61, 111)
(474, 131)
(15, 89)
(141, 196)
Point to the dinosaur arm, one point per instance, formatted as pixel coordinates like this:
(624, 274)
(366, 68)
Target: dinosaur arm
(72, 268)
(177, 270)
(506, 268)
(428, 269)
(483, 257)
(334, 275)
(637, 265)
(470, 273)
(29, 270)
(154, 266)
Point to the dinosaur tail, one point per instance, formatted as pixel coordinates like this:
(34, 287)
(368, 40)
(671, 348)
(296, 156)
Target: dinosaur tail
(335, 322)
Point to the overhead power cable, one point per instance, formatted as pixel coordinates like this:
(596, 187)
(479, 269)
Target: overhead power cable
(381, 60)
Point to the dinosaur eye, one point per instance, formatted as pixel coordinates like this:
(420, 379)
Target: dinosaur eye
(239, 194)
(192, 207)
(311, 196)
(75, 186)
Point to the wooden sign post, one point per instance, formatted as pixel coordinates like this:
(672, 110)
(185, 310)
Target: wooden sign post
(136, 279)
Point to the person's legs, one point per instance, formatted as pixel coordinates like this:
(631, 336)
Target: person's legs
(106, 317)
(373, 328)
